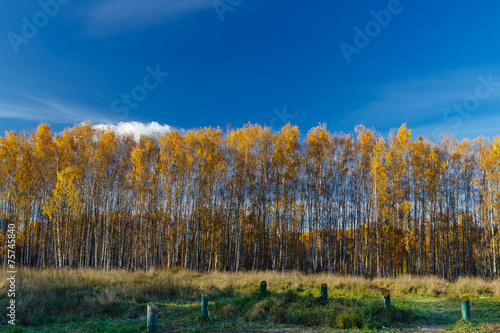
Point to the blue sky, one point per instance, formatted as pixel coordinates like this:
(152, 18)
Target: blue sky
(187, 64)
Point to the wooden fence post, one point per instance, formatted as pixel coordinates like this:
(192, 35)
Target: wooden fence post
(386, 298)
(204, 307)
(152, 318)
(465, 308)
(324, 293)
(263, 288)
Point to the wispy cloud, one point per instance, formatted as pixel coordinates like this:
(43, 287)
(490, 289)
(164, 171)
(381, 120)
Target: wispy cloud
(424, 100)
(28, 107)
(488, 126)
(119, 15)
(136, 128)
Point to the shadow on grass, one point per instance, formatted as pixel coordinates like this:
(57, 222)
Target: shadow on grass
(80, 310)
(291, 308)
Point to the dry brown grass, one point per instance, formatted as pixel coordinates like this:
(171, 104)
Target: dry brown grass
(165, 283)
(432, 285)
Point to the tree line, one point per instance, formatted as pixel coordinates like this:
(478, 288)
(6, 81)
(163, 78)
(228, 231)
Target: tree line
(252, 199)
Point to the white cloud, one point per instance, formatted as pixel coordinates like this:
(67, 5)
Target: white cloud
(136, 128)
(126, 14)
(29, 107)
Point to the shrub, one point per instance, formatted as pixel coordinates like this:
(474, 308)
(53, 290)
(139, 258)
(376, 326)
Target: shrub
(349, 319)
(260, 311)
(280, 315)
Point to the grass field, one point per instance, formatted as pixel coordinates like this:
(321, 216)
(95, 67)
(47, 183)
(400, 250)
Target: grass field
(100, 301)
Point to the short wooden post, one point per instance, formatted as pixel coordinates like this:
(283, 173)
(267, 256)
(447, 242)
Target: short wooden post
(263, 288)
(152, 318)
(465, 308)
(386, 298)
(204, 307)
(324, 293)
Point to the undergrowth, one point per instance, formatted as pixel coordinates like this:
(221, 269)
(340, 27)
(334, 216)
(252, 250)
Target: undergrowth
(48, 297)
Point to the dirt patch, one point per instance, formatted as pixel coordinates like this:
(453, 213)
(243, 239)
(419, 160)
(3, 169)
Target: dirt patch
(278, 330)
(424, 328)
(431, 328)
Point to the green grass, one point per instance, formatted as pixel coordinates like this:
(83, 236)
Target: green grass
(445, 313)
(99, 301)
